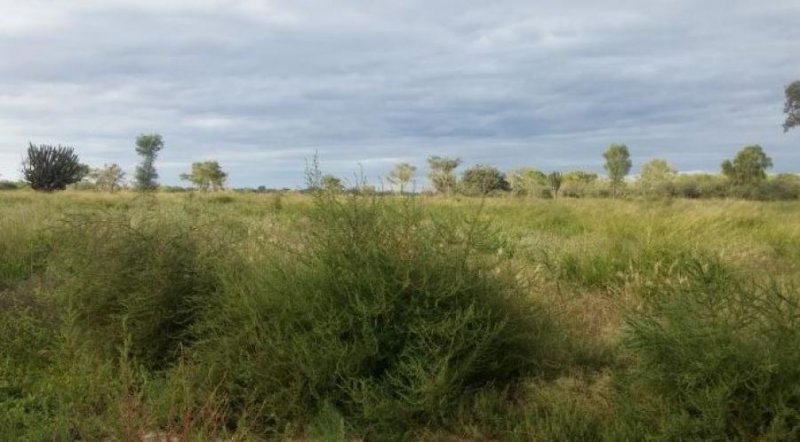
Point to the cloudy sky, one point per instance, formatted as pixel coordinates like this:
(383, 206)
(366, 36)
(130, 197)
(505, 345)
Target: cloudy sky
(261, 85)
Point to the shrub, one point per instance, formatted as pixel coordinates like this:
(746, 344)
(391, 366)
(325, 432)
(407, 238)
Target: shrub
(136, 276)
(716, 355)
(387, 315)
(51, 168)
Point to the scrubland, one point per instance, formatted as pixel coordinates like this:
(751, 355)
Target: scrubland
(344, 317)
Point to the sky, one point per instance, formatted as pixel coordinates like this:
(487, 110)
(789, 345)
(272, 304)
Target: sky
(260, 86)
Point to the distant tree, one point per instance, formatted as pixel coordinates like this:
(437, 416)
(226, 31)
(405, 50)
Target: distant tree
(618, 164)
(206, 175)
(442, 174)
(482, 180)
(527, 181)
(147, 146)
(749, 167)
(577, 183)
(331, 183)
(108, 177)
(402, 174)
(657, 178)
(48, 168)
(792, 106)
(554, 180)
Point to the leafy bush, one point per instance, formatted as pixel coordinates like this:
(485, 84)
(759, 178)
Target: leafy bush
(716, 358)
(136, 276)
(382, 312)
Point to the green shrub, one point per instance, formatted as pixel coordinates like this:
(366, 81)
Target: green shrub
(717, 358)
(137, 275)
(387, 315)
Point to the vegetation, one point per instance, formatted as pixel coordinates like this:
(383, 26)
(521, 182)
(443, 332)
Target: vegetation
(342, 316)
(206, 175)
(441, 175)
(792, 106)
(483, 180)
(749, 168)
(618, 165)
(50, 168)
(147, 146)
(109, 178)
(401, 175)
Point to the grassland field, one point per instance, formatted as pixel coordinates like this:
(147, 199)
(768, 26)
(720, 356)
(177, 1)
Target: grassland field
(227, 316)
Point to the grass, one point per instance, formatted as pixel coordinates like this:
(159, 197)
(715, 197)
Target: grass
(249, 317)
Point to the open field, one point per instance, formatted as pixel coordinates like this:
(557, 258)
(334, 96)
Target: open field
(249, 317)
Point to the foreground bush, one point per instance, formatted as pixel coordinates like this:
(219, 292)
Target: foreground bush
(136, 278)
(378, 315)
(717, 358)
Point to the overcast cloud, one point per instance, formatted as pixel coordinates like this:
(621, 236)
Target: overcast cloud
(261, 85)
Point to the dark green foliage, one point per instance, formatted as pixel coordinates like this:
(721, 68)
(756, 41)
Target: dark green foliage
(554, 180)
(749, 168)
(147, 146)
(388, 315)
(136, 278)
(717, 358)
(50, 168)
(792, 106)
(483, 180)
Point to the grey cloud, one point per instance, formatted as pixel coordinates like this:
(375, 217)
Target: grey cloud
(262, 85)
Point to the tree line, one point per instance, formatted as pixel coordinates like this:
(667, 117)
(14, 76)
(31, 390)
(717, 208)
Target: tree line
(49, 168)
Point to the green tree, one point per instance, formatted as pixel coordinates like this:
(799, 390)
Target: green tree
(749, 167)
(618, 164)
(657, 178)
(48, 168)
(206, 175)
(577, 183)
(527, 181)
(147, 146)
(331, 183)
(554, 180)
(401, 175)
(109, 177)
(792, 106)
(482, 180)
(442, 174)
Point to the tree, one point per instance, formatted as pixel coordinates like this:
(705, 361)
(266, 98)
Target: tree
(792, 106)
(482, 180)
(527, 181)
(401, 175)
(206, 175)
(554, 180)
(577, 183)
(48, 168)
(331, 183)
(749, 167)
(109, 177)
(657, 178)
(441, 173)
(618, 164)
(147, 146)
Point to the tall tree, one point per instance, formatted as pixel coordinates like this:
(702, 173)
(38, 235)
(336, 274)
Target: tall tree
(442, 174)
(402, 174)
(147, 146)
(792, 106)
(206, 175)
(108, 177)
(656, 177)
(749, 167)
(48, 168)
(618, 164)
(482, 180)
(331, 183)
(554, 180)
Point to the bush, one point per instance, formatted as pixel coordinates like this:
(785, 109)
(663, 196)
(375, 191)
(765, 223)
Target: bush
(386, 315)
(716, 356)
(49, 168)
(136, 277)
